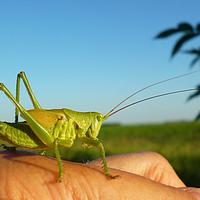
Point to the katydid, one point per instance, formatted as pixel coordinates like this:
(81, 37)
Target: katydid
(54, 128)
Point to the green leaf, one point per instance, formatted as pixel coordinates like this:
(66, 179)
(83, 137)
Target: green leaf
(166, 33)
(181, 42)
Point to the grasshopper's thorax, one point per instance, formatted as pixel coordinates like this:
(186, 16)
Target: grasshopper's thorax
(85, 124)
(89, 122)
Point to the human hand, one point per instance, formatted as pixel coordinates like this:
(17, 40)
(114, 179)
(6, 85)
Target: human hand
(145, 176)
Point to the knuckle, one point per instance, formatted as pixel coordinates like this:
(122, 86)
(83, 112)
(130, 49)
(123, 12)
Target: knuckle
(158, 157)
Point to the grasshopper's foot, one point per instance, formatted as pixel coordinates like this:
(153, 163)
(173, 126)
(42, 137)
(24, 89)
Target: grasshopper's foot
(60, 179)
(60, 176)
(10, 149)
(43, 153)
(112, 176)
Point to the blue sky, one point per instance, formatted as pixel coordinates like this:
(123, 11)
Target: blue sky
(88, 55)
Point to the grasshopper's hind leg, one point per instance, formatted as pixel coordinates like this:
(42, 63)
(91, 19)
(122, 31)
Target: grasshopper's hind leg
(34, 101)
(37, 128)
(46, 138)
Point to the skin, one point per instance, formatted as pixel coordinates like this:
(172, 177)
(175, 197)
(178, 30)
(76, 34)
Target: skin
(142, 176)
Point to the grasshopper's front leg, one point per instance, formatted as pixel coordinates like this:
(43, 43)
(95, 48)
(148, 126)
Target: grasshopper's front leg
(57, 154)
(95, 142)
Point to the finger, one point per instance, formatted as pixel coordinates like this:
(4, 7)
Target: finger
(149, 164)
(195, 192)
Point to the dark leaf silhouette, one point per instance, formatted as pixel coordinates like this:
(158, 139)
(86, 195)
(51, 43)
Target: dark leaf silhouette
(187, 33)
(181, 42)
(197, 117)
(193, 51)
(196, 53)
(167, 33)
(198, 28)
(184, 26)
(194, 61)
(195, 94)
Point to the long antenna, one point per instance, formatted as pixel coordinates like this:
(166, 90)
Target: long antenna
(148, 86)
(149, 98)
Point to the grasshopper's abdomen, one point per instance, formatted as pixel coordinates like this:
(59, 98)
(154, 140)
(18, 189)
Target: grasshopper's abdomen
(19, 135)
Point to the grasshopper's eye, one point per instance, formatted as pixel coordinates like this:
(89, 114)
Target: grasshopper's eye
(99, 117)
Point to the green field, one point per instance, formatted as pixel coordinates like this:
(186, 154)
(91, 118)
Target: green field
(178, 142)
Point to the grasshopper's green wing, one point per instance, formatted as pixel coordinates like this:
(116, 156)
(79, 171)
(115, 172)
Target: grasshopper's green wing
(20, 135)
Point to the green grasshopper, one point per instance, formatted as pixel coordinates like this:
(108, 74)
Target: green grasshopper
(54, 128)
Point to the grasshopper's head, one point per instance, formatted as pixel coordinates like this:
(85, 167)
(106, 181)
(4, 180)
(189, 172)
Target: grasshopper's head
(97, 121)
